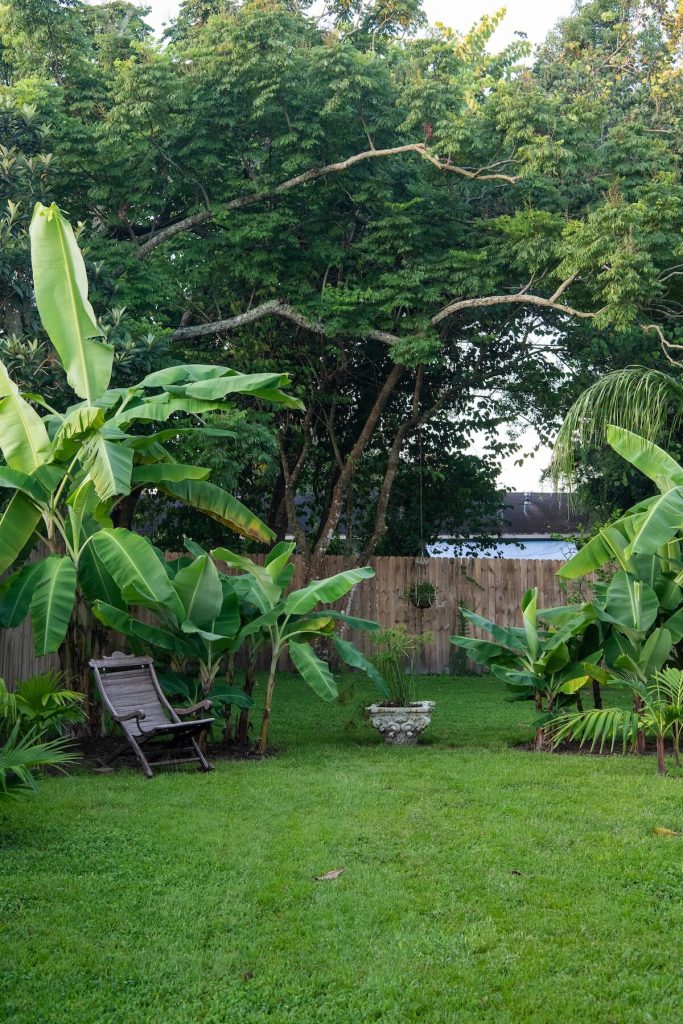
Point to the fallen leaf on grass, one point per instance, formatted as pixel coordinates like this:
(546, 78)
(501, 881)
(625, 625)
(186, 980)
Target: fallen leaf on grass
(665, 832)
(331, 875)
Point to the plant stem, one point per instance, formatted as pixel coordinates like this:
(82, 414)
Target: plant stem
(265, 721)
(661, 762)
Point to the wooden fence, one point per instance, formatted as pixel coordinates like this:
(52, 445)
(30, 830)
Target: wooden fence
(492, 587)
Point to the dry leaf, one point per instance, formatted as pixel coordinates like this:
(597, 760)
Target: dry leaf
(330, 875)
(665, 832)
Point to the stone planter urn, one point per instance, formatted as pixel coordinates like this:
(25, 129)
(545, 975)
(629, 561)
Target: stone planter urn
(401, 726)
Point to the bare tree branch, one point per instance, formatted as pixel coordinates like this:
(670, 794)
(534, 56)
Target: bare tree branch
(273, 307)
(240, 202)
(517, 297)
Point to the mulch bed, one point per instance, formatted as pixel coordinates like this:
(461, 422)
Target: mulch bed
(93, 750)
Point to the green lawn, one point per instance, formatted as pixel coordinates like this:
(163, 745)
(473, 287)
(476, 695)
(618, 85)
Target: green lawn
(482, 883)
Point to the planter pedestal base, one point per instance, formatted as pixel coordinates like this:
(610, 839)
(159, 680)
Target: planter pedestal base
(401, 726)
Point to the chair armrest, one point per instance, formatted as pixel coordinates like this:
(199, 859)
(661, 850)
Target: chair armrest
(203, 705)
(139, 713)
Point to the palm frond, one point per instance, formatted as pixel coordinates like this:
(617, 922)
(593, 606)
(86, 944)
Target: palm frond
(20, 756)
(597, 726)
(647, 402)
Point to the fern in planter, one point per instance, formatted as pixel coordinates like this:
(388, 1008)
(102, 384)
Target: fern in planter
(421, 593)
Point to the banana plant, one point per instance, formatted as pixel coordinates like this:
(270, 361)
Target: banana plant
(67, 471)
(548, 665)
(659, 713)
(293, 622)
(196, 609)
(645, 596)
(646, 540)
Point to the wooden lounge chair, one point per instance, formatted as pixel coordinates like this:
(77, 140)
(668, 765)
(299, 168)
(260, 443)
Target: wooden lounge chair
(132, 696)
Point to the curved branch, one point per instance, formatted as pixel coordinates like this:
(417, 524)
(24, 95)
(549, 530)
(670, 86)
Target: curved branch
(196, 219)
(273, 307)
(518, 297)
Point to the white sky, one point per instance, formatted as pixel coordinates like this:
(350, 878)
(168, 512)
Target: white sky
(533, 17)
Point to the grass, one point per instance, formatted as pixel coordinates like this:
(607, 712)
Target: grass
(482, 883)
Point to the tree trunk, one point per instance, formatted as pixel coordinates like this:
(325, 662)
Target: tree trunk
(265, 721)
(661, 762)
(83, 642)
(539, 742)
(640, 735)
(597, 695)
(227, 718)
(242, 731)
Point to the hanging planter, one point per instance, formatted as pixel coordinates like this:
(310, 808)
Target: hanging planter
(421, 593)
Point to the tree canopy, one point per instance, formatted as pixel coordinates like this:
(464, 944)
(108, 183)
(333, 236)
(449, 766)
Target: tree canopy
(431, 237)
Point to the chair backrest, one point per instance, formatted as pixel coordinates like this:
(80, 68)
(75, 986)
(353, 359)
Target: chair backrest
(129, 683)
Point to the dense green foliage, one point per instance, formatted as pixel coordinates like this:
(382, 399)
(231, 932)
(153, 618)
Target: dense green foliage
(482, 883)
(536, 213)
(31, 721)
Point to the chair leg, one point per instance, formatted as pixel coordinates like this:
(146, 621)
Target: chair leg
(147, 771)
(106, 761)
(206, 767)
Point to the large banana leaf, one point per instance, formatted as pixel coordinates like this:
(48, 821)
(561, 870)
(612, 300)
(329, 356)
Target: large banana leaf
(313, 670)
(350, 654)
(86, 513)
(109, 465)
(529, 618)
(61, 290)
(16, 593)
(181, 380)
(675, 626)
(656, 650)
(651, 460)
(169, 472)
(52, 603)
(160, 408)
(137, 571)
(219, 505)
(79, 422)
(660, 524)
(97, 583)
(17, 524)
(265, 586)
(612, 544)
(185, 373)
(142, 632)
(199, 588)
(325, 591)
(366, 625)
(24, 440)
(483, 652)
(233, 384)
(512, 637)
(14, 480)
(277, 560)
(630, 603)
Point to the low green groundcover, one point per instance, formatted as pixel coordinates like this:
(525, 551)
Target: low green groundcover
(481, 883)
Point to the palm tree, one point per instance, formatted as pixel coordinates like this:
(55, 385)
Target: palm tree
(647, 402)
